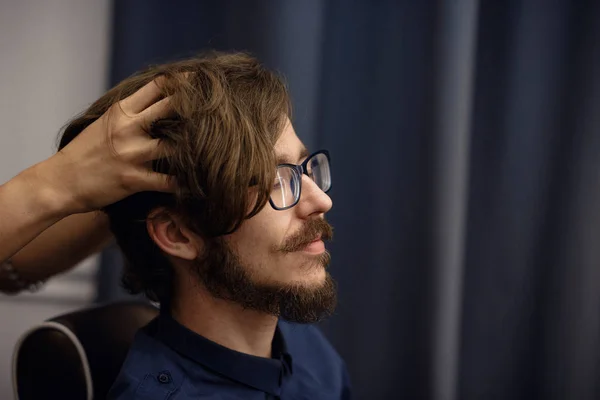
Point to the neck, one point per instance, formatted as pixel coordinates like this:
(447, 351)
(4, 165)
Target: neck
(226, 323)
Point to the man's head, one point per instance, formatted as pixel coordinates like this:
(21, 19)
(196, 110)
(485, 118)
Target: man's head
(247, 221)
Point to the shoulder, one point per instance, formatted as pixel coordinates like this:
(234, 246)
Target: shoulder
(154, 371)
(150, 371)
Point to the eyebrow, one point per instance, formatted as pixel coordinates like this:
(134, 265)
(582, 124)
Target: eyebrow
(287, 159)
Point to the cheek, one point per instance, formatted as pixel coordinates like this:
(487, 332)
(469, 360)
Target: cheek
(261, 235)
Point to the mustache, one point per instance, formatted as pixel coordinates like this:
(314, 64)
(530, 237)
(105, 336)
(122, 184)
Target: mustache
(311, 230)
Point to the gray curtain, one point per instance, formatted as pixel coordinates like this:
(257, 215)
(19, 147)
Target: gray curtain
(465, 141)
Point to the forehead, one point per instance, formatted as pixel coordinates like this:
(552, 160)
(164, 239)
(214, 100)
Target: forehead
(289, 148)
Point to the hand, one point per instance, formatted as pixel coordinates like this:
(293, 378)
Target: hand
(109, 160)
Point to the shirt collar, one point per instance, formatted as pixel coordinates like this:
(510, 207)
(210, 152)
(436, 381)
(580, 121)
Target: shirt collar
(265, 374)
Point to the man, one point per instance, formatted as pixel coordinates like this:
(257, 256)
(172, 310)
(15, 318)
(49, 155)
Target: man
(236, 258)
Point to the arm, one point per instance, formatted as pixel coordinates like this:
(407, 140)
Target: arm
(47, 217)
(63, 246)
(26, 209)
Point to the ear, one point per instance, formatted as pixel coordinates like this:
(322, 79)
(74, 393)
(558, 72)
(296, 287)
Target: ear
(172, 236)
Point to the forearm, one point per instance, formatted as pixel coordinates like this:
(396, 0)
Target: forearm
(62, 246)
(27, 208)
(36, 235)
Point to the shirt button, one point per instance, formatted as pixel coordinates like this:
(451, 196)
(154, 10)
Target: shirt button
(164, 378)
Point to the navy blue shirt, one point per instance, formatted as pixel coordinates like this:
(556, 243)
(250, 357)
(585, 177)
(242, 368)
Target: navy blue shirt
(169, 361)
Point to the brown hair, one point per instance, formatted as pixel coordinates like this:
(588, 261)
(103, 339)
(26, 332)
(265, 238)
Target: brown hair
(229, 111)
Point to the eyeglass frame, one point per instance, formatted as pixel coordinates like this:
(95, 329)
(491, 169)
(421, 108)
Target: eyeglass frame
(302, 169)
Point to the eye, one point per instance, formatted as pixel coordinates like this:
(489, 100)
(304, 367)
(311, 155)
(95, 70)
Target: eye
(277, 184)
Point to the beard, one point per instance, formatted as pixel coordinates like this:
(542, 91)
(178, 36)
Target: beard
(224, 276)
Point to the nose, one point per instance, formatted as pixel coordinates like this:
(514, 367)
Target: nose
(313, 201)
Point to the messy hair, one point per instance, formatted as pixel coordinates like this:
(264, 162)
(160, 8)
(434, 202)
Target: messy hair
(228, 111)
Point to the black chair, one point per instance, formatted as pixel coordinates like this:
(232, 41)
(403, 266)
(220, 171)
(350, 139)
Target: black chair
(77, 355)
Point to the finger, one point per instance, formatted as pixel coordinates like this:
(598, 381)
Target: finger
(143, 97)
(159, 110)
(153, 149)
(156, 182)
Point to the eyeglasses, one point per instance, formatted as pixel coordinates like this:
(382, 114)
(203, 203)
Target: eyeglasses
(288, 180)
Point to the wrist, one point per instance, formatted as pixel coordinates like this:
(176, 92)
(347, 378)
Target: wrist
(13, 281)
(43, 194)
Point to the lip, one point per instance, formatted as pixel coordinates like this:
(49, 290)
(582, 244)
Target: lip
(317, 246)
